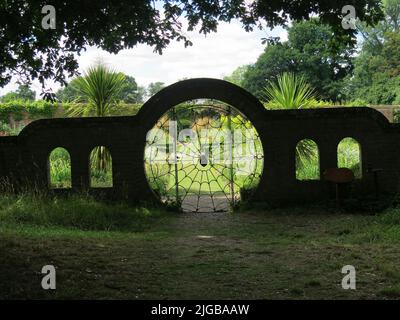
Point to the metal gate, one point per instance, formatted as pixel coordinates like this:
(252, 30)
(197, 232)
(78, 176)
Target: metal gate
(203, 156)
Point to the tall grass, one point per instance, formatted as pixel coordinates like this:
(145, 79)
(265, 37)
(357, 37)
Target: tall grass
(100, 168)
(307, 166)
(307, 160)
(349, 156)
(76, 211)
(60, 170)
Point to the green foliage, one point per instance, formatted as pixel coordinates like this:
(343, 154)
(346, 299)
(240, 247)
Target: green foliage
(130, 92)
(125, 109)
(377, 68)
(154, 87)
(276, 59)
(37, 53)
(101, 166)
(323, 104)
(350, 103)
(312, 51)
(100, 169)
(307, 165)
(70, 93)
(291, 92)
(19, 108)
(22, 93)
(101, 178)
(307, 160)
(377, 74)
(374, 35)
(349, 156)
(5, 129)
(60, 168)
(75, 212)
(100, 86)
(39, 109)
(382, 90)
(237, 76)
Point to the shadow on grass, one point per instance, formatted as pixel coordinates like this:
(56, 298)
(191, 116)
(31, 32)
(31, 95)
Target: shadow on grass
(81, 212)
(365, 205)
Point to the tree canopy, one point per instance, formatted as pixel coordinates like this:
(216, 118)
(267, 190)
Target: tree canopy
(154, 87)
(24, 92)
(129, 92)
(237, 76)
(311, 51)
(32, 52)
(376, 77)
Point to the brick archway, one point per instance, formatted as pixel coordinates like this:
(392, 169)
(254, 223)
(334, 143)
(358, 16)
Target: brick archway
(24, 157)
(200, 88)
(192, 89)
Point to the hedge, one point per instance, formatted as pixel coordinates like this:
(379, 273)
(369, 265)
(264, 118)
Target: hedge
(33, 110)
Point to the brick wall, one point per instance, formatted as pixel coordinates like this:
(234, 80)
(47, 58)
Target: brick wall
(24, 159)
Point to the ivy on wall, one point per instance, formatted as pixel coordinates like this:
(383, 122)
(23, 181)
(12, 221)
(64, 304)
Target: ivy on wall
(20, 109)
(33, 110)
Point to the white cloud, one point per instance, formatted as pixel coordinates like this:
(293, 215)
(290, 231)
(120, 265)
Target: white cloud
(214, 56)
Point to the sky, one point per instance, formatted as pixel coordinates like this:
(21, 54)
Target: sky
(215, 55)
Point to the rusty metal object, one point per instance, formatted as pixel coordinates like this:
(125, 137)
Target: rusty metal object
(339, 175)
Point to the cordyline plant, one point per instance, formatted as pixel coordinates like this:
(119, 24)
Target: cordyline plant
(100, 87)
(293, 92)
(290, 92)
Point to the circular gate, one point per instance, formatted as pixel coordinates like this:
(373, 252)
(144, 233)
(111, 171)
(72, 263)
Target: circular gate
(203, 156)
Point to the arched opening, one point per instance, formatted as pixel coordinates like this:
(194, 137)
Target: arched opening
(203, 155)
(349, 156)
(100, 168)
(307, 160)
(59, 164)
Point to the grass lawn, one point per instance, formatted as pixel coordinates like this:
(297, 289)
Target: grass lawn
(293, 253)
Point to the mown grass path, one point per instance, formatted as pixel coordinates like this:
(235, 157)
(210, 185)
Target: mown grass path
(292, 254)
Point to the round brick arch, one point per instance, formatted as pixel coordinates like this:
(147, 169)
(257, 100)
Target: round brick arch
(192, 89)
(200, 88)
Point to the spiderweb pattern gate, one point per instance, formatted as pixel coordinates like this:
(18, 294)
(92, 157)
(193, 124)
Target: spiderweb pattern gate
(203, 156)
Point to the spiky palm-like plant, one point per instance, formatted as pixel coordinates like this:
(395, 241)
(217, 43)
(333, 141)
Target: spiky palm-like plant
(293, 92)
(290, 92)
(100, 86)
